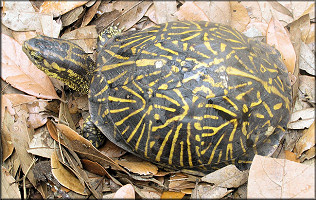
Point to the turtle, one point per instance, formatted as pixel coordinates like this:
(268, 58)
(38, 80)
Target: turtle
(183, 94)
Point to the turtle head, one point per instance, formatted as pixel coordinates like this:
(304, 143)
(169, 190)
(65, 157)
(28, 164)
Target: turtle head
(62, 60)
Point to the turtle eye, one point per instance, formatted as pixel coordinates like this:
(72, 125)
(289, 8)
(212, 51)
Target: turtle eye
(37, 56)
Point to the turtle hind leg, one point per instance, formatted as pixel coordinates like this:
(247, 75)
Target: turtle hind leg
(92, 133)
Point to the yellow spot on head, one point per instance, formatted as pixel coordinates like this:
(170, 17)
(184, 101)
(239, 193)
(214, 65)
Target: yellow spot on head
(244, 108)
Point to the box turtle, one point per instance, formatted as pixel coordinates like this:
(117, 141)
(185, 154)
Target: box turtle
(184, 95)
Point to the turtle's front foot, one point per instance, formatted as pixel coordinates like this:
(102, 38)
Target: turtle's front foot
(92, 133)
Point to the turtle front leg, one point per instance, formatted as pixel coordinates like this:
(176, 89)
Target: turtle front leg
(92, 133)
(106, 35)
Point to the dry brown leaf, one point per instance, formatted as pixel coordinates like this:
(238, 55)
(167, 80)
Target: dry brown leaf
(190, 11)
(65, 177)
(71, 16)
(111, 150)
(80, 145)
(64, 114)
(147, 192)
(35, 107)
(271, 10)
(229, 177)
(303, 24)
(307, 155)
(253, 9)
(278, 37)
(133, 14)
(60, 7)
(151, 14)
(219, 12)
(125, 192)
(307, 141)
(20, 16)
(307, 59)
(142, 168)
(18, 70)
(49, 26)
(280, 178)
(204, 191)
(88, 16)
(240, 18)
(6, 141)
(172, 195)
(9, 101)
(93, 167)
(41, 144)
(302, 119)
(298, 8)
(9, 186)
(164, 11)
(21, 133)
(307, 88)
(311, 35)
(289, 155)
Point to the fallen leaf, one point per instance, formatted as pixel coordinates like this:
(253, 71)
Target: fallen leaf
(229, 177)
(147, 192)
(93, 167)
(41, 144)
(133, 14)
(203, 191)
(18, 70)
(219, 12)
(80, 145)
(71, 16)
(6, 141)
(279, 38)
(50, 27)
(172, 195)
(21, 16)
(307, 141)
(125, 192)
(302, 119)
(21, 133)
(111, 150)
(307, 59)
(164, 11)
(60, 7)
(142, 168)
(307, 88)
(311, 35)
(65, 177)
(9, 186)
(270, 10)
(307, 155)
(88, 16)
(289, 155)
(240, 18)
(280, 178)
(190, 11)
(298, 8)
